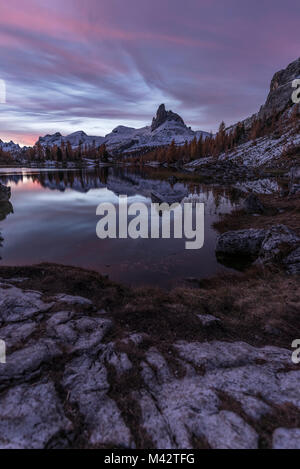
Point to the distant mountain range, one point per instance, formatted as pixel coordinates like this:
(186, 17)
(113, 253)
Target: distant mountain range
(168, 126)
(10, 147)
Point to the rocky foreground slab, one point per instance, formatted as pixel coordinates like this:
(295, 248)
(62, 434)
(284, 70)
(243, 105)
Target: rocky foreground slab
(100, 373)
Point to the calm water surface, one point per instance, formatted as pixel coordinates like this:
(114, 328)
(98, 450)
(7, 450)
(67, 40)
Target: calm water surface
(52, 218)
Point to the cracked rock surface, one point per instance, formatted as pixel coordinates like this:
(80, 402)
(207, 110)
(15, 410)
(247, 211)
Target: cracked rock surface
(72, 380)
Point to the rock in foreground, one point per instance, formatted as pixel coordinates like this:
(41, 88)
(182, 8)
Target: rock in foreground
(78, 376)
(5, 193)
(277, 244)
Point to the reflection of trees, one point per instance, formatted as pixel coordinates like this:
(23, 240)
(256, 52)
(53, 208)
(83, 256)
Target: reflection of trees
(15, 178)
(82, 180)
(5, 209)
(79, 180)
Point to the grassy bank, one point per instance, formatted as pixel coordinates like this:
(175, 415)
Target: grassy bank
(260, 306)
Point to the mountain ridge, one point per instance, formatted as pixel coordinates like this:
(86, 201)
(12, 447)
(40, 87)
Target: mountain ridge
(166, 127)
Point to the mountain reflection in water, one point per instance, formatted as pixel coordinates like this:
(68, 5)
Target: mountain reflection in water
(52, 218)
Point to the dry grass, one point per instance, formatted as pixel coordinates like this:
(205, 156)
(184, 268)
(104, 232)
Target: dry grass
(285, 415)
(284, 211)
(260, 306)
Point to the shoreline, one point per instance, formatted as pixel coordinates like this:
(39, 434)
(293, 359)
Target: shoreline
(103, 365)
(219, 291)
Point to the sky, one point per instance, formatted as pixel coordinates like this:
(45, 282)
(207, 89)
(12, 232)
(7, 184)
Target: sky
(92, 65)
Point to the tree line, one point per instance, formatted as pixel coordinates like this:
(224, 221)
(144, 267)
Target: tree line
(65, 152)
(225, 140)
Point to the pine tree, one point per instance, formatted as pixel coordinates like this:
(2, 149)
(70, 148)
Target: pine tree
(171, 153)
(194, 149)
(59, 154)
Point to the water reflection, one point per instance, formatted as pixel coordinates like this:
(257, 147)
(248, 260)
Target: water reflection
(5, 209)
(55, 221)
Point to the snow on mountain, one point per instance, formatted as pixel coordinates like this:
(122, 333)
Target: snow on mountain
(269, 149)
(74, 139)
(10, 147)
(166, 126)
(265, 150)
(130, 140)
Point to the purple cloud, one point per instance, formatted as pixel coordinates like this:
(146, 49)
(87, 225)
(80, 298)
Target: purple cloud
(93, 65)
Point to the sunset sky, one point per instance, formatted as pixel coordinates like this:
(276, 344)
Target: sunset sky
(92, 65)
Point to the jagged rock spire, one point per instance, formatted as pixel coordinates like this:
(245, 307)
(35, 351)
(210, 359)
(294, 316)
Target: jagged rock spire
(162, 116)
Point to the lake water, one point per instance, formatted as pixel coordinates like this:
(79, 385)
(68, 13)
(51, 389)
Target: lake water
(52, 218)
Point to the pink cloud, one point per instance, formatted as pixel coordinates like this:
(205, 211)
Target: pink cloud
(112, 59)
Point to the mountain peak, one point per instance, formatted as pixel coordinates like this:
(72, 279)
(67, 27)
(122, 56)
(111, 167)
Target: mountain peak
(78, 133)
(280, 94)
(162, 116)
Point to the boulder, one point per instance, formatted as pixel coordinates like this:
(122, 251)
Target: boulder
(265, 246)
(292, 262)
(278, 240)
(245, 243)
(5, 193)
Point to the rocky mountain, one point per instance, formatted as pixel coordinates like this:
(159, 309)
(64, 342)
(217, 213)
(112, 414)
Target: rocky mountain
(279, 97)
(10, 147)
(75, 139)
(166, 126)
(162, 116)
(268, 150)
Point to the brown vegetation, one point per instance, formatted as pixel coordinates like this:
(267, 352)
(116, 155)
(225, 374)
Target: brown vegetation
(260, 306)
(285, 211)
(225, 140)
(6, 158)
